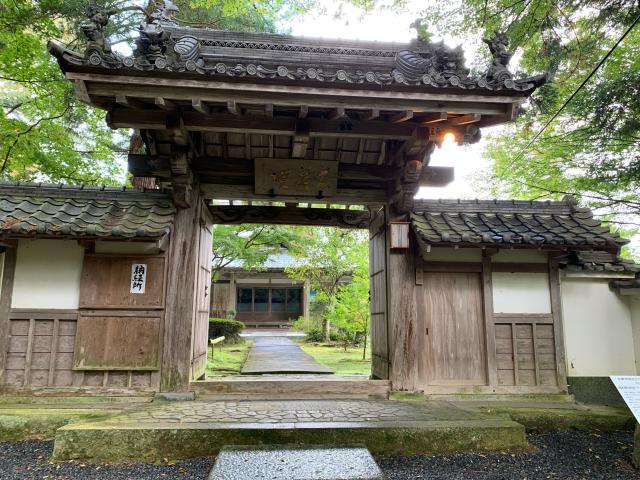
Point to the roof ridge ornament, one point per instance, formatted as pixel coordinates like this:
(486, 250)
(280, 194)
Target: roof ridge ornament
(498, 46)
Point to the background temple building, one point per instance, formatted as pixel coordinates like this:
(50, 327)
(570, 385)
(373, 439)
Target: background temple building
(260, 298)
(466, 296)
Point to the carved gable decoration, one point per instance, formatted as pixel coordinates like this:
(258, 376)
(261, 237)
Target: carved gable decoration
(314, 178)
(165, 46)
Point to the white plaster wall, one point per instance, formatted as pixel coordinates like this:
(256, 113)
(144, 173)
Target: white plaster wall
(521, 293)
(47, 274)
(597, 329)
(453, 255)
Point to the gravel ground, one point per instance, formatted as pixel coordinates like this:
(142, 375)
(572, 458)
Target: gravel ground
(566, 455)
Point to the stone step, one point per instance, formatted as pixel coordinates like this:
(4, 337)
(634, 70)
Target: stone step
(179, 430)
(295, 463)
(293, 387)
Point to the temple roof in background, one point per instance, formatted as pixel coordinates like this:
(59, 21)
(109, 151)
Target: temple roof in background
(512, 223)
(37, 210)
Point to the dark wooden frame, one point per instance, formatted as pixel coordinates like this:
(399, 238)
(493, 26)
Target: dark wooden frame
(269, 287)
(6, 295)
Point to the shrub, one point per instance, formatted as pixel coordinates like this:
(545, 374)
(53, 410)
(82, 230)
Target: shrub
(222, 327)
(314, 335)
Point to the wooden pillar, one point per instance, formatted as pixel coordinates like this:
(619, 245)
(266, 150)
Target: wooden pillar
(306, 299)
(7, 273)
(558, 327)
(407, 328)
(181, 297)
(231, 301)
(489, 327)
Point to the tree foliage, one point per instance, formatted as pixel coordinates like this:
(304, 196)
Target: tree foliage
(328, 258)
(45, 133)
(250, 245)
(592, 149)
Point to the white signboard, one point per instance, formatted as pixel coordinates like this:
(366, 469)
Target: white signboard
(138, 277)
(629, 388)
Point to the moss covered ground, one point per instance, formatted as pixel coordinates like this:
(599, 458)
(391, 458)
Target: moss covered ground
(337, 359)
(227, 360)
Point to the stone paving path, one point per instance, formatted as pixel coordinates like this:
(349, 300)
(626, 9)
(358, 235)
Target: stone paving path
(269, 355)
(291, 413)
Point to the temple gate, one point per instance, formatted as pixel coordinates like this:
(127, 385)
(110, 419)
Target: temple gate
(286, 130)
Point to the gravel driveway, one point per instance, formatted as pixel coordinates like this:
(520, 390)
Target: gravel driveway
(566, 455)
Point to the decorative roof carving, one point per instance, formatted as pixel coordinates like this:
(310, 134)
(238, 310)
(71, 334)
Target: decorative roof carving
(164, 46)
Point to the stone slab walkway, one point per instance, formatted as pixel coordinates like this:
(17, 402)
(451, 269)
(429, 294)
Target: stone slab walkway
(279, 355)
(192, 429)
(295, 463)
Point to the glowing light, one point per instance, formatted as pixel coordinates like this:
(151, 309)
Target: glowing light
(449, 138)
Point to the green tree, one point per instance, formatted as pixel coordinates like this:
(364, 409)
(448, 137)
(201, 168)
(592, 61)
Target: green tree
(47, 135)
(351, 313)
(328, 257)
(249, 244)
(592, 149)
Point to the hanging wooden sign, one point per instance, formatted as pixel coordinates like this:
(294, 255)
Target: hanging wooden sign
(284, 176)
(138, 277)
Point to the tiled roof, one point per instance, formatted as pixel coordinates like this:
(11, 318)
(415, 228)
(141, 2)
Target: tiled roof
(597, 262)
(62, 210)
(511, 222)
(276, 261)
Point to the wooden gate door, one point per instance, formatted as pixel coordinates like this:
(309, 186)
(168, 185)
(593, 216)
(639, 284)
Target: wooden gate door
(378, 296)
(455, 329)
(200, 327)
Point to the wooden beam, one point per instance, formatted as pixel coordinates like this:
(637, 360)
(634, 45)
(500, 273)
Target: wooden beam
(337, 113)
(361, 143)
(165, 104)
(383, 152)
(199, 106)
(81, 91)
(326, 217)
(128, 102)
(352, 196)
(195, 121)
(299, 145)
(245, 90)
(434, 118)
(232, 107)
(465, 119)
(371, 114)
(303, 112)
(401, 117)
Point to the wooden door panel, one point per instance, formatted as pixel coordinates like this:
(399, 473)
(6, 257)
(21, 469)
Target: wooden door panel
(200, 326)
(455, 329)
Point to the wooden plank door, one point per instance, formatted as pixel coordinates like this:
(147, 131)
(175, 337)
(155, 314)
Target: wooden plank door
(455, 329)
(378, 296)
(200, 327)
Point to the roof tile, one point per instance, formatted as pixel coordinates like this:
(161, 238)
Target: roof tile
(495, 222)
(62, 210)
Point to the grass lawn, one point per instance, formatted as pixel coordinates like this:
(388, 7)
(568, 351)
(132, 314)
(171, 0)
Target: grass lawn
(334, 357)
(227, 359)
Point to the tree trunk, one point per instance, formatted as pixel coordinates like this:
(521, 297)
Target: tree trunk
(326, 330)
(364, 346)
